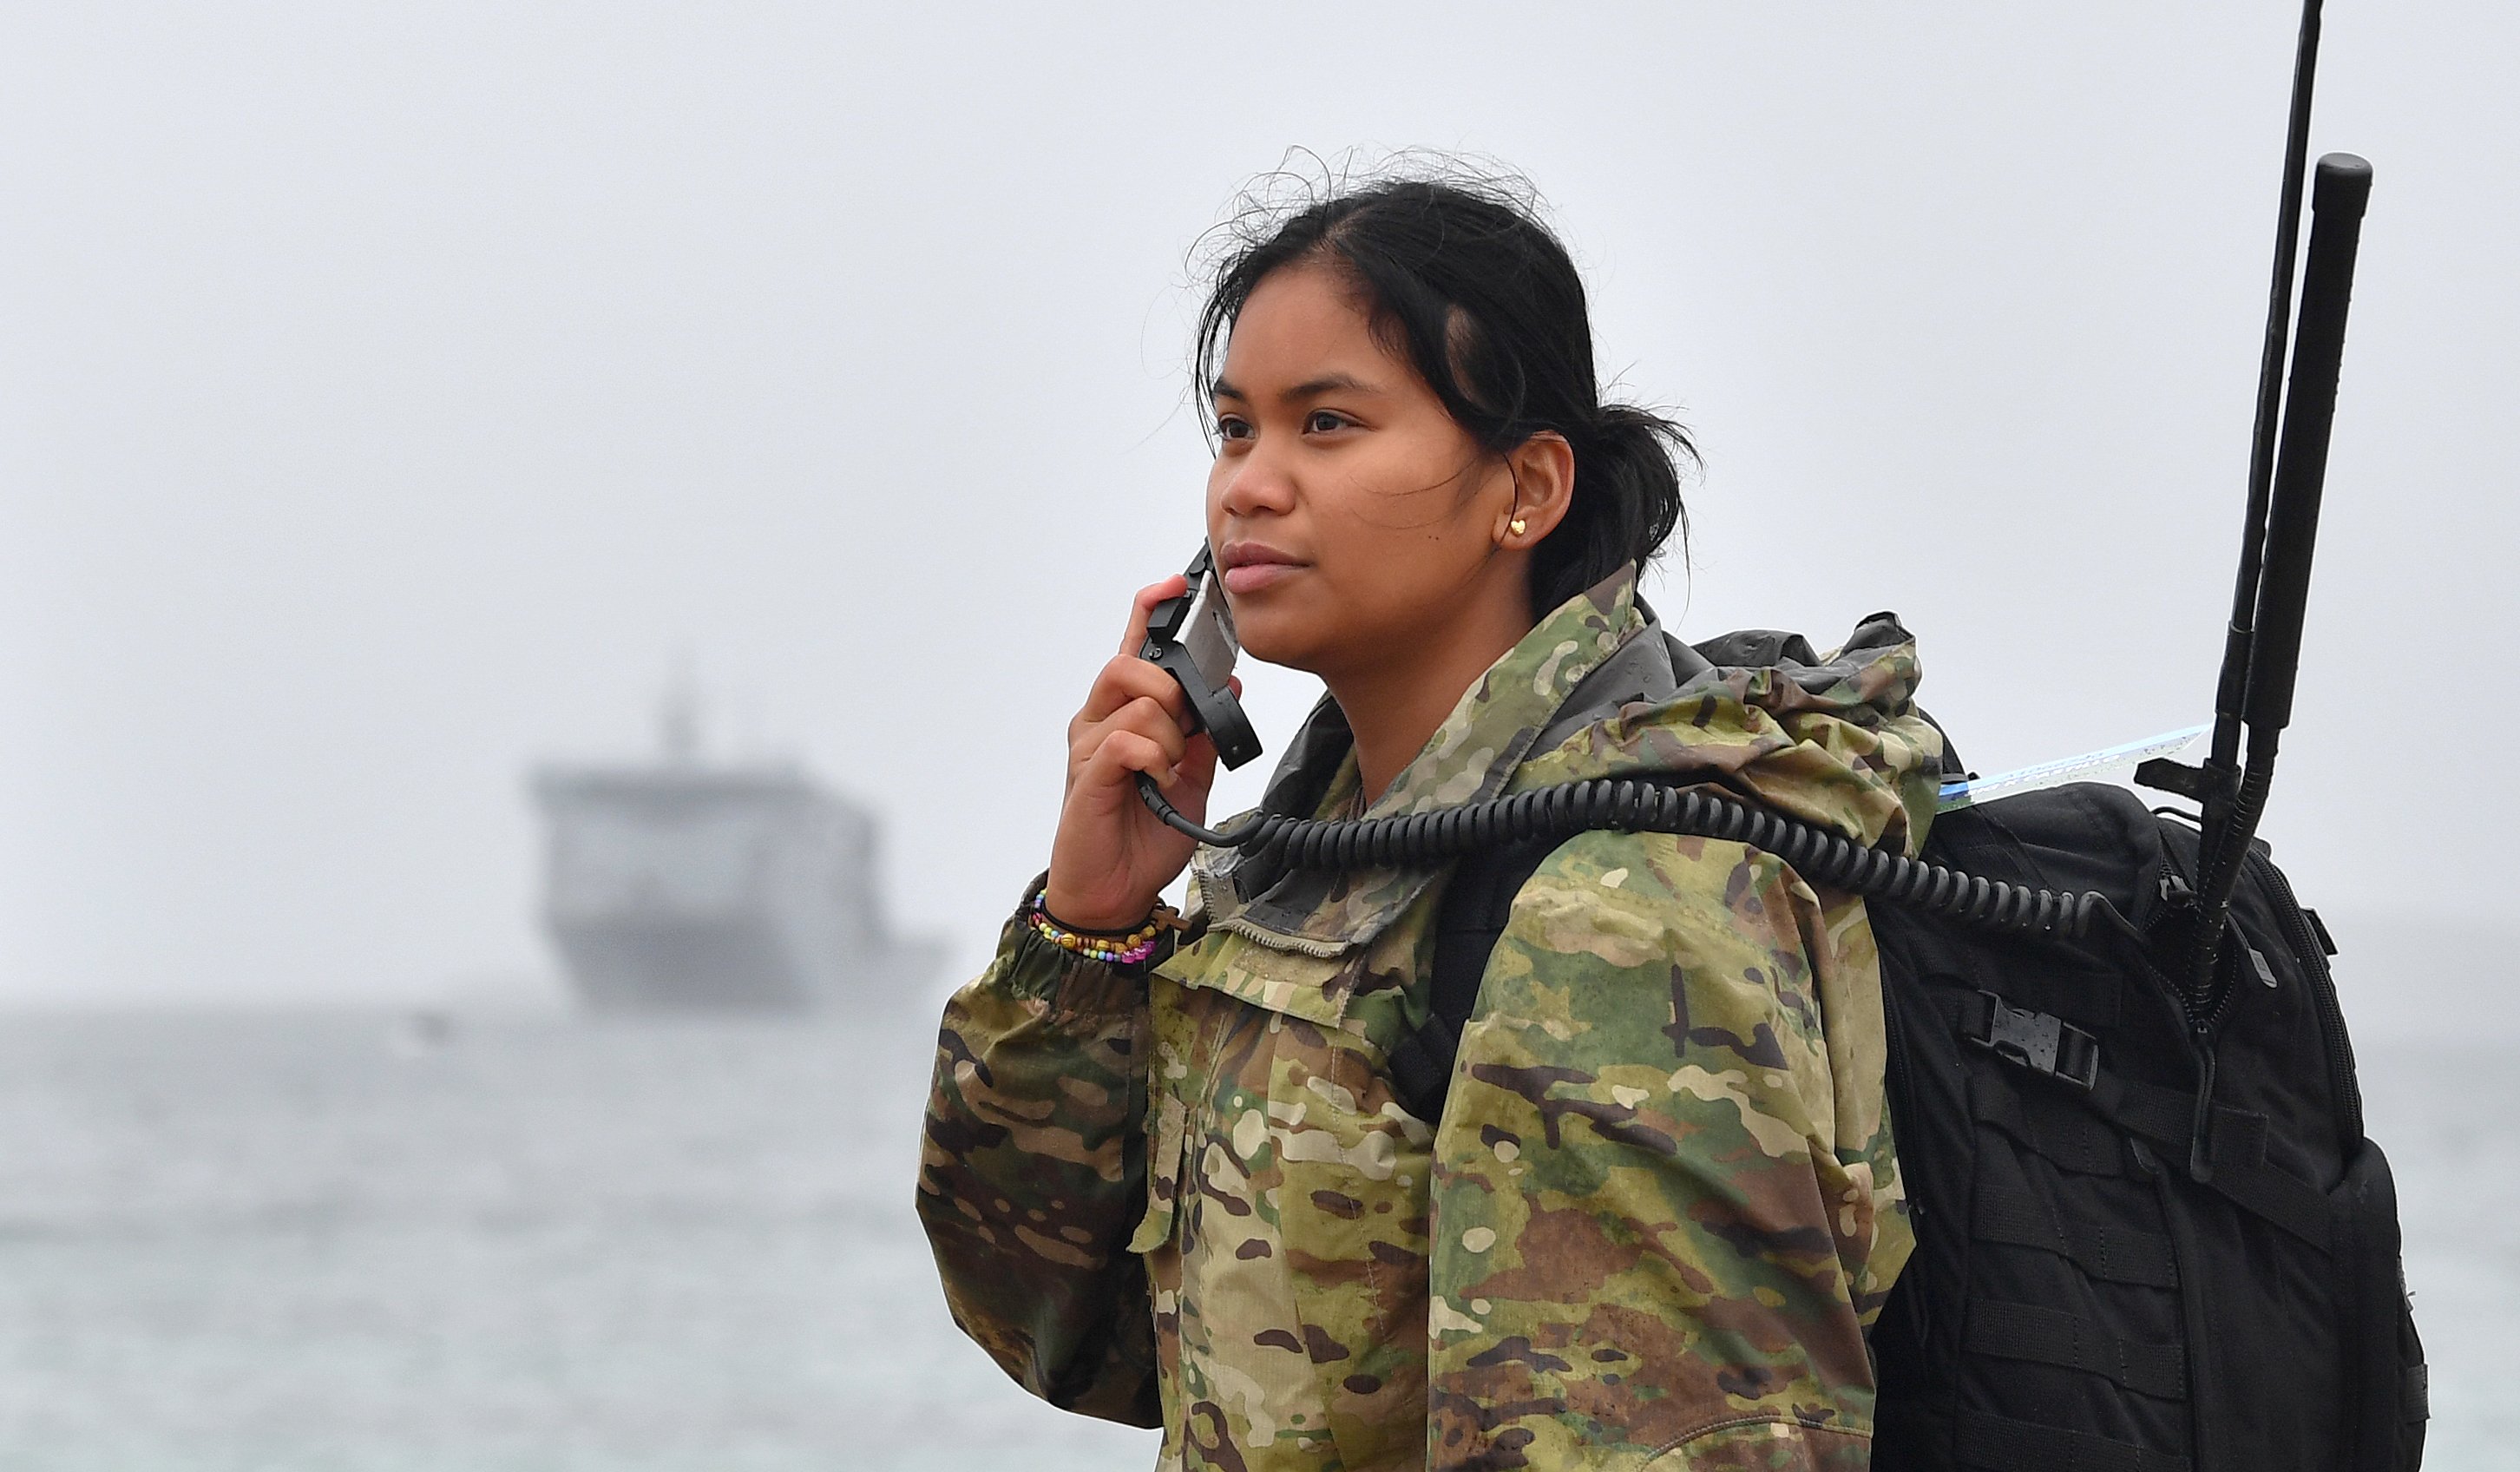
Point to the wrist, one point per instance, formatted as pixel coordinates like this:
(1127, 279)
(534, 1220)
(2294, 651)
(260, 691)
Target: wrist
(1072, 912)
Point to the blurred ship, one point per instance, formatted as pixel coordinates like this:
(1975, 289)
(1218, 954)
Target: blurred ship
(687, 885)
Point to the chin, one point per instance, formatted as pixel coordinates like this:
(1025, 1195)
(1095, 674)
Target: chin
(1273, 638)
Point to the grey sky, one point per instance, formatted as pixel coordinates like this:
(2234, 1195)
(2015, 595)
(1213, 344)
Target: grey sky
(388, 395)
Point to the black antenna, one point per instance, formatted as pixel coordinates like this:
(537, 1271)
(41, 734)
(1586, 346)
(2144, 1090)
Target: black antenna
(2287, 475)
(2336, 207)
(2223, 765)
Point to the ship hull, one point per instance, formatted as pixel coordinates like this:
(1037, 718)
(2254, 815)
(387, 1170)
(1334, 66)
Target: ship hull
(626, 964)
(684, 888)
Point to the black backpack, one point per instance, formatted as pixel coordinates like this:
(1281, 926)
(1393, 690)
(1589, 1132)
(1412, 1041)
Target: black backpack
(2144, 1243)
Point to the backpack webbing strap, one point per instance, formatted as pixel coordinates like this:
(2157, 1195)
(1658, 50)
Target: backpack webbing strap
(1478, 900)
(2236, 1145)
(2069, 1140)
(2236, 1141)
(2045, 1336)
(1420, 1065)
(2005, 1444)
(2113, 1255)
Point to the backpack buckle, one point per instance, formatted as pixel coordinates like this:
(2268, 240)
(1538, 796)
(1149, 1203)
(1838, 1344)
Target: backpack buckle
(2036, 1042)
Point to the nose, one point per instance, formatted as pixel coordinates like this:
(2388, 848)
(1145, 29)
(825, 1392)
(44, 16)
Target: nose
(1256, 482)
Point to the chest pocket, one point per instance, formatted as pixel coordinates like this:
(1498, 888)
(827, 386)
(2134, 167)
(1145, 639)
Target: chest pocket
(1314, 989)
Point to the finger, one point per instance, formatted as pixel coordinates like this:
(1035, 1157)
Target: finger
(1126, 678)
(1144, 717)
(1140, 719)
(1123, 753)
(1147, 597)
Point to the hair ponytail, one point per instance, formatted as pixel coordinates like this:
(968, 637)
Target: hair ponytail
(1486, 305)
(1627, 503)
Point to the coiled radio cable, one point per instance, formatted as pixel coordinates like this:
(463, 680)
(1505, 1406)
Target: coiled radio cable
(1626, 804)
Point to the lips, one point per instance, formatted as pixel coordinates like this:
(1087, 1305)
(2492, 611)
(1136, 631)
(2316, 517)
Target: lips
(1250, 566)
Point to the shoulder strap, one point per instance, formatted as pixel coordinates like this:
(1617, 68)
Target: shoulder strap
(1479, 898)
(1477, 903)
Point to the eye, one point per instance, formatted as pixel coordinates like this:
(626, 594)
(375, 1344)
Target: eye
(1228, 427)
(1327, 421)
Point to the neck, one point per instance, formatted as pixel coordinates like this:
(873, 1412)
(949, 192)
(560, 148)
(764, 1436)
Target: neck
(1393, 708)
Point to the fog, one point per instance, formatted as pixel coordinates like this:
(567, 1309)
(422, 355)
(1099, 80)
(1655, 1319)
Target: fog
(389, 397)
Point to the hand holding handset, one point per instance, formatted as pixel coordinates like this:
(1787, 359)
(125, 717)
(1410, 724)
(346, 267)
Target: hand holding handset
(1120, 840)
(1191, 639)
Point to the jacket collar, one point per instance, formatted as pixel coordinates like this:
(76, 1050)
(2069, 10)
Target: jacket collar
(1832, 739)
(1472, 755)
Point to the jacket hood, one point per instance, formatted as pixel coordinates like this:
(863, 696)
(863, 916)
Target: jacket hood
(1597, 689)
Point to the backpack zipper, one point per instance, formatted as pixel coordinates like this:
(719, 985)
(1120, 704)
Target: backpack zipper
(2203, 1025)
(2194, 1337)
(2205, 1033)
(2312, 957)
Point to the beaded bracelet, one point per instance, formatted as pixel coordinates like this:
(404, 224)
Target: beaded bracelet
(1132, 947)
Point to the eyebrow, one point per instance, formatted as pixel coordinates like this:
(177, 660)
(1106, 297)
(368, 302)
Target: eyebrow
(1311, 388)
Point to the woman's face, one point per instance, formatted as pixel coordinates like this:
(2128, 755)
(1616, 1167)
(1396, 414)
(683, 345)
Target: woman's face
(1350, 515)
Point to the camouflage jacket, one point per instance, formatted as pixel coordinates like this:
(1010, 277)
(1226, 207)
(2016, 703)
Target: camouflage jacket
(1660, 1206)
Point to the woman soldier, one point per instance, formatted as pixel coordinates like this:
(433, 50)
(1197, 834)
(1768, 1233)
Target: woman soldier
(1168, 1174)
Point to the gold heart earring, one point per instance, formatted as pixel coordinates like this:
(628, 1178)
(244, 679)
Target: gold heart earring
(1517, 527)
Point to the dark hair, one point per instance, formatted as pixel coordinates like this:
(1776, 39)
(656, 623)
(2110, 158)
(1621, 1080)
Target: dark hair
(1484, 302)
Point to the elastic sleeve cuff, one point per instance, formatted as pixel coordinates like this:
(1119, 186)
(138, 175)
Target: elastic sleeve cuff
(1032, 966)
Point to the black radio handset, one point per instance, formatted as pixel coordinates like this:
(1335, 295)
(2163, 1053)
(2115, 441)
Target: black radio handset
(1191, 637)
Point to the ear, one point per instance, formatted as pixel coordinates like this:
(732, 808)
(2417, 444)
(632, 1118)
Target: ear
(1544, 487)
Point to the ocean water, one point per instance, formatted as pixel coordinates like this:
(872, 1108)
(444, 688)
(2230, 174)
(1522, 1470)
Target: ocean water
(334, 1242)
